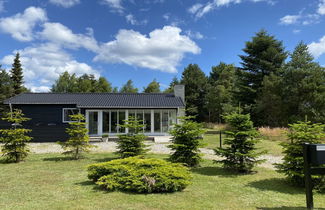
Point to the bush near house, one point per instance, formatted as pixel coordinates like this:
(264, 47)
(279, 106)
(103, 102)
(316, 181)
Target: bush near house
(136, 174)
(14, 139)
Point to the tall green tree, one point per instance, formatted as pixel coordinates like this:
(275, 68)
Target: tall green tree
(174, 82)
(304, 91)
(66, 83)
(128, 87)
(153, 87)
(263, 55)
(103, 86)
(16, 75)
(195, 83)
(6, 90)
(220, 91)
(15, 139)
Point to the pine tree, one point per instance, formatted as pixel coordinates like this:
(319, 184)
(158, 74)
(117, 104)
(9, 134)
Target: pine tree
(132, 143)
(14, 139)
(16, 75)
(263, 55)
(78, 142)
(293, 161)
(240, 151)
(153, 87)
(195, 83)
(128, 87)
(186, 142)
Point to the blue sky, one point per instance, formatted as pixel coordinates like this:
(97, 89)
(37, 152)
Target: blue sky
(144, 40)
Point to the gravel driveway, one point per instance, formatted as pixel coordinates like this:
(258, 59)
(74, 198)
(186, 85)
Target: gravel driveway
(157, 148)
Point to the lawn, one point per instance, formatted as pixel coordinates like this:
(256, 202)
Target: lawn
(45, 182)
(273, 147)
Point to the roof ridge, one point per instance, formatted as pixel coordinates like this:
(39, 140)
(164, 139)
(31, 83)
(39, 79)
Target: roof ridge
(101, 93)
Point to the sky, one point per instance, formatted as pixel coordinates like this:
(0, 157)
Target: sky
(144, 40)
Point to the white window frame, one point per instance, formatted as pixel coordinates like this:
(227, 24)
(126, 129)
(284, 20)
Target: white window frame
(63, 111)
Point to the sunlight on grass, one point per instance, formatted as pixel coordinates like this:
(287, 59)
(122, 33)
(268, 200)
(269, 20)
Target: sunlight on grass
(51, 181)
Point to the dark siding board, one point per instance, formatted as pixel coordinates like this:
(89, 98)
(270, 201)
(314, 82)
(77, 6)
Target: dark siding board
(46, 122)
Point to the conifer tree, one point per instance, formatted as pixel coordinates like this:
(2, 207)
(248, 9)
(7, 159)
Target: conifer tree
(14, 139)
(153, 87)
(174, 82)
(128, 87)
(293, 161)
(16, 75)
(6, 90)
(78, 142)
(132, 143)
(240, 147)
(186, 142)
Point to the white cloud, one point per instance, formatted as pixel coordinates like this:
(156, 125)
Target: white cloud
(166, 16)
(321, 7)
(63, 36)
(65, 3)
(296, 31)
(289, 19)
(43, 64)
(131, 19)
(194, 35)
(162, 50)
(116, 5)
(199, 10)
(20, 26)
(317, 48)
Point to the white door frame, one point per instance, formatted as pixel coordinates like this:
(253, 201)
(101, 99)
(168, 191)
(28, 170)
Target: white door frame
(99, 120)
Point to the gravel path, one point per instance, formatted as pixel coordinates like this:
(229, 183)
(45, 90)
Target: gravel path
(157, 148)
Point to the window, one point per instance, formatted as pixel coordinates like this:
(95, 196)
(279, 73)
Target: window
(67, 112)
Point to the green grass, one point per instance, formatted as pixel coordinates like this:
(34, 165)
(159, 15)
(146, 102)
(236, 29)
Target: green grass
(273, 147)
(45, 182)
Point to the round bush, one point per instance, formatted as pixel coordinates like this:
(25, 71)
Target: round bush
(137, 174)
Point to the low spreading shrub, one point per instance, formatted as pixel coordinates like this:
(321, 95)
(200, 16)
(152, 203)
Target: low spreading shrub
(136, 174)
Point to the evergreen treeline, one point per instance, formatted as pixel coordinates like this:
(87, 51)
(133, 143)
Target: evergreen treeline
(274, 86)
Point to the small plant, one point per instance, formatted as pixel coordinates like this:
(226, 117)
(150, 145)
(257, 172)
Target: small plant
(293, 161)
(14, 139)
(132, 143)
(240, 151)
(136, 174)
(78, 141)
(187, 138)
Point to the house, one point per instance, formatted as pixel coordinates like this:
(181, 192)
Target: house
(104, 112)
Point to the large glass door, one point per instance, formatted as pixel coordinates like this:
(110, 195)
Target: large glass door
(93, 123)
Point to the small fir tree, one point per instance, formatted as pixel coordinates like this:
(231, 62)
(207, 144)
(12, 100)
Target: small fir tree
(293, 161)
(14, 139)
(240, 151)
(186, 142)
(132, 143)
(78, 141)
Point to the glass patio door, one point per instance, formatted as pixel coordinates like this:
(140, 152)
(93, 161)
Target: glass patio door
(93, 123)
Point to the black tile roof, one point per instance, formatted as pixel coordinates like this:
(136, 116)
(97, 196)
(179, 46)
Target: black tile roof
(101, 100)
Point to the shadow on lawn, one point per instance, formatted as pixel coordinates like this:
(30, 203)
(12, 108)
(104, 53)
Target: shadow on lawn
(214, 171)
(276, 184)
(284, 208)
(91, 183)
(56, 159)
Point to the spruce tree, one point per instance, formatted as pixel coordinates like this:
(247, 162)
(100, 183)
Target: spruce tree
(240, 146)
(293, 161)
(186, 142)
(132, 143)
(16, 75)
(15, 139)
(78, 142)
(6, 90)
(174, 82)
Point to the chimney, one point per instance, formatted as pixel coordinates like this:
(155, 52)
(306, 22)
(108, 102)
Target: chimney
(179, 91)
